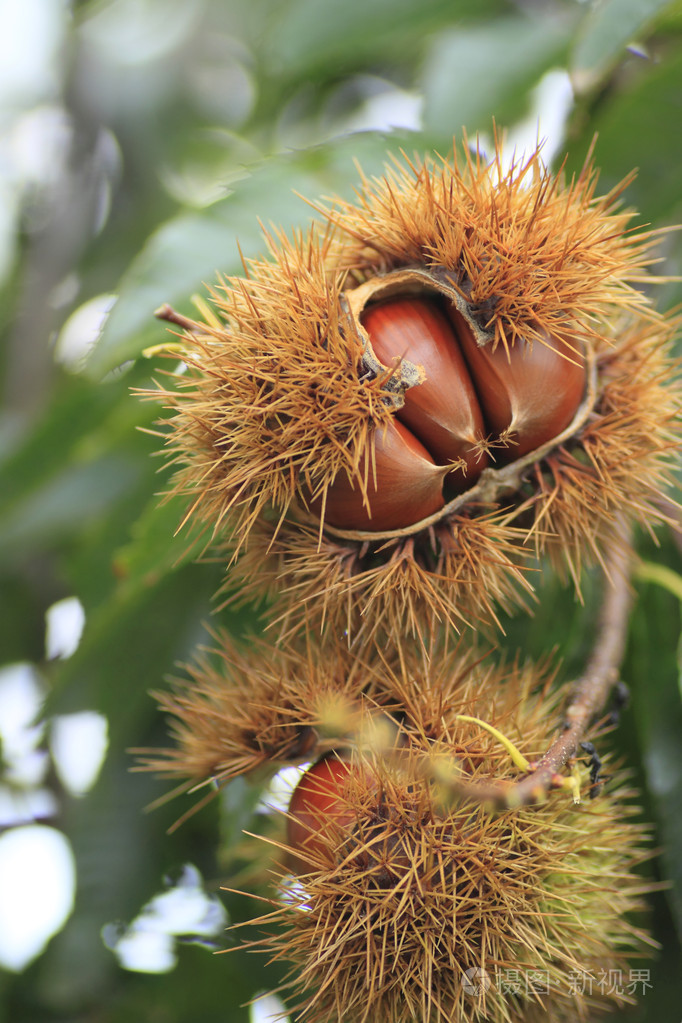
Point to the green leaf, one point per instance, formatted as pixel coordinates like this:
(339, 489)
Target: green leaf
(314, 36)
(559, 622)
(22, 626)
(185, 254)
(69, 423)
(212, 989)
(134, 641)
(473, 73)
(648, 571)
(82, 458)
(157, 546)
(65, 504)
(238, 802)
(652, 672)
(130, 644)
(636, 127)
(608, 28)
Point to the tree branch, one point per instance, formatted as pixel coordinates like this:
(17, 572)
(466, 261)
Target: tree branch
(590, 693)
(170, 315)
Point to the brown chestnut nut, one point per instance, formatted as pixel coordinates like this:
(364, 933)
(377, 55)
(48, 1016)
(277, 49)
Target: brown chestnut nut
(443, 412)
(317, 806)
(404, 485)
(529, 392)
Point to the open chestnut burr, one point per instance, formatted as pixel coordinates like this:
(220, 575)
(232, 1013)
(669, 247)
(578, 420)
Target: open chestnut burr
(469, 405)
(392, 415)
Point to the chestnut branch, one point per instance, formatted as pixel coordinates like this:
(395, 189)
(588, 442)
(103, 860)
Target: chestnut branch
(589, 694)
(170, 315)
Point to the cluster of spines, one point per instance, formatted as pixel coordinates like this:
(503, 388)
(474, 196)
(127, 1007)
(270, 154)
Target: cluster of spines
(278, 400)
(461, 572)
(418, 898)
(533, 251)
(275, 396)
(391, 912)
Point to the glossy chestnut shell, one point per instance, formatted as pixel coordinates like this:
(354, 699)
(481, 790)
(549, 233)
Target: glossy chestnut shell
(471, 405)
(317, 807)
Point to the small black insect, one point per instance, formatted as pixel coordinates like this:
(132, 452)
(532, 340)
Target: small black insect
(597, 779)
(620, 700)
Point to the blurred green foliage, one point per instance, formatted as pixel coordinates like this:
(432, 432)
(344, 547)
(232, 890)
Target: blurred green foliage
(185, 121)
